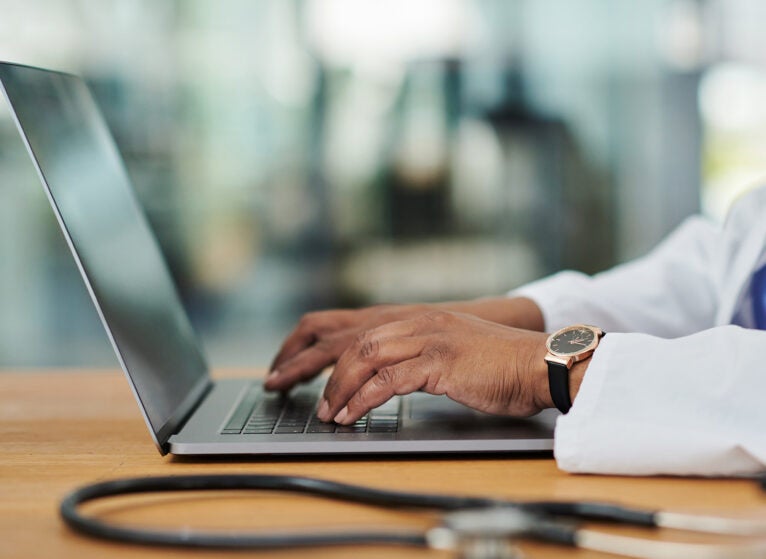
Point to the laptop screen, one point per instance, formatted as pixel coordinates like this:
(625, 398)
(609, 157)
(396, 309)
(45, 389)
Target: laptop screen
(110, 238)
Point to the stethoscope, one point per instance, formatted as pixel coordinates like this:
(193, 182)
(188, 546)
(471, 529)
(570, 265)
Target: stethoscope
(473, 527)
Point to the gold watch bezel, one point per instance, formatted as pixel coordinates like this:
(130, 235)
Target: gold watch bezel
(568, 359)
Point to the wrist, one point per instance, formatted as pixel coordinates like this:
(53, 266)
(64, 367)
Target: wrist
(541, 392)
(576, 376)
(568, 353)
(517, 312)
(541, 387)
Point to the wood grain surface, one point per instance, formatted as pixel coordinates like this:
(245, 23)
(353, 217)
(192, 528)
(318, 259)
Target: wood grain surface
(62, 429)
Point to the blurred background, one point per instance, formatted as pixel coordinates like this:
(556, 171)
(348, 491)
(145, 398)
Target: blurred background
(302, 154)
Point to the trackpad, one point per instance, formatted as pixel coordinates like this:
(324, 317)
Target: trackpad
(433, 414)
(425, 407)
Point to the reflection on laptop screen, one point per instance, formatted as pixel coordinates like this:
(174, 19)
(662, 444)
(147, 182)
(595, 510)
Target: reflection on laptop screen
(117, 252)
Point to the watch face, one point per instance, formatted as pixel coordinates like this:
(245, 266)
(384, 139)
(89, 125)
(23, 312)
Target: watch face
(572, 340)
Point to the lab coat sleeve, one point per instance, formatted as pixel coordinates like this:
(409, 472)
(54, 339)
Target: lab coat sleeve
(670, 292)
(687, 406)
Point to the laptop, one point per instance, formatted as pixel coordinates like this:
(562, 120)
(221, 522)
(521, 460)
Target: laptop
(187, 412)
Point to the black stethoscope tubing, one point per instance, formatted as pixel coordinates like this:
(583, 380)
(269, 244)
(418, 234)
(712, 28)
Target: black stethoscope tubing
(542, 511)
(465, 518)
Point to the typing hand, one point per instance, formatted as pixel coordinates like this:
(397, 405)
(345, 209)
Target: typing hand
(321, 337)
(484, 365)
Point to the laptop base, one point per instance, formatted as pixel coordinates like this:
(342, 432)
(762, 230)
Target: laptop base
(429, 424)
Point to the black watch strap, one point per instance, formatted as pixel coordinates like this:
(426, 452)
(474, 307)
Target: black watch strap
(558, 381)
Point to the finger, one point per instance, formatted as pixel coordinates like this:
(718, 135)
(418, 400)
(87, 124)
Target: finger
(309, 328)
(369, 352)
(398, 379)
(345, 382)
(308, 363)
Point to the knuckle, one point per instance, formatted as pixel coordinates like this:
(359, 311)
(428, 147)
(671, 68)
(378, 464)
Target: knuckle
(366, 345)
(386, 376)
(369, 349)
(361, 338)
(438, 316)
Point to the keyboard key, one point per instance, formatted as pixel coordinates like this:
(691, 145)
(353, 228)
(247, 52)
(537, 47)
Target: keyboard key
(288, 430)
(383, 428)
(261, 421)
(385, 418)
(321, 428)
(257, 431)
(261, 414)
(268, 428)
(351, 429)
(240, 415)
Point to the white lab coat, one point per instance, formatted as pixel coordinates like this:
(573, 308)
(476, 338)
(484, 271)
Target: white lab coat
(678, 385)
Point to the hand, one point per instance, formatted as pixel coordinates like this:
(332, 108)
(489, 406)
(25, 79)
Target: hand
(321, 337)
(481, 364)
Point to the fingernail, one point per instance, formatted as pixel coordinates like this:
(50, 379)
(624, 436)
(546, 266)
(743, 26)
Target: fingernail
(272, 376)
(341, 415)
(323, 409)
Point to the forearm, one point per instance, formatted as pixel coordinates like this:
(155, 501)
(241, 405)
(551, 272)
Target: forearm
(519, 312)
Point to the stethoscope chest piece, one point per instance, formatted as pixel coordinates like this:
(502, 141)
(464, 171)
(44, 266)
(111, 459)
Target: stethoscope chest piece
(482, 533)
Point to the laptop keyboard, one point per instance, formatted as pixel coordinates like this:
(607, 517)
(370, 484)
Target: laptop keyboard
(260, 413)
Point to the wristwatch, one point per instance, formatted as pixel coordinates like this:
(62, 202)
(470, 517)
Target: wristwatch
(565, 348)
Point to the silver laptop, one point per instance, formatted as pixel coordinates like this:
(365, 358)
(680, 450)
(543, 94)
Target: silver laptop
(186, 411)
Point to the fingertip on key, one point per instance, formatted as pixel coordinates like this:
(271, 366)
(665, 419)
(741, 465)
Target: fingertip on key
(323, 409)
(341, 417)
(271, 378)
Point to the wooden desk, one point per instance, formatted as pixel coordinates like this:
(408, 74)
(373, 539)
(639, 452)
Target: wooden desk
(60, 429)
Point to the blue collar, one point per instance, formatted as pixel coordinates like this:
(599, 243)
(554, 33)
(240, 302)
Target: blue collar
(758, 290)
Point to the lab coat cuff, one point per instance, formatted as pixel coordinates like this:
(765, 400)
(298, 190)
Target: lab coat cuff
(553, 295)
(638, 413)
(570, 447)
